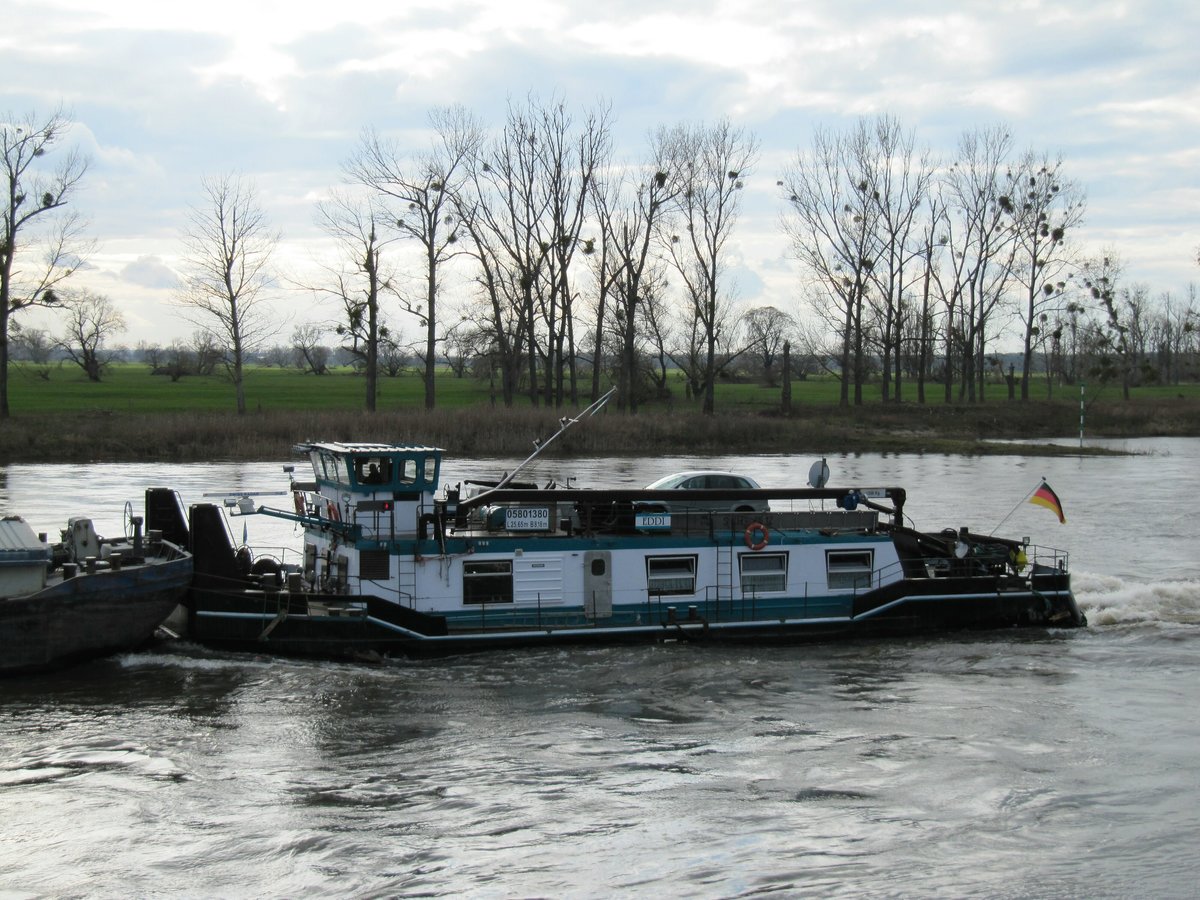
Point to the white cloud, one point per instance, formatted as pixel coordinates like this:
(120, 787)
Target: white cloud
(150, 272)
(165, 93)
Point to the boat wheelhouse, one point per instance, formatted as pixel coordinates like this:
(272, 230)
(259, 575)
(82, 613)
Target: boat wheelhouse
(392, 564)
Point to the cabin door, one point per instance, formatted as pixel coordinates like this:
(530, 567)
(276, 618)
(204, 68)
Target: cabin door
(597, 584)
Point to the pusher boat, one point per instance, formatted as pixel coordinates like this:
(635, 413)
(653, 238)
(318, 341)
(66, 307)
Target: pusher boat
(392, 565)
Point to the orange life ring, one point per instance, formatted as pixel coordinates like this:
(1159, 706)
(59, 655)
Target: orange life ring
(757, 535)
(298, 499)
(334, 514)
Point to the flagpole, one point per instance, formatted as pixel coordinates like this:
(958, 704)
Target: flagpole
(1015, 506)
(1082, 389)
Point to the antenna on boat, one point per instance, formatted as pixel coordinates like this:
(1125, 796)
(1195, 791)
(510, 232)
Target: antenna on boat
(563, 424)
(1016, 505)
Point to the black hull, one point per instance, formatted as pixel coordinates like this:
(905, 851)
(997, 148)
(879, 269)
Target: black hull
(279, 624)
(88, 616)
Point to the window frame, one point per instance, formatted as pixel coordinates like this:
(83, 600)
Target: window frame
(685, 570)
(478, 571)
(840, 575)
(777, 575)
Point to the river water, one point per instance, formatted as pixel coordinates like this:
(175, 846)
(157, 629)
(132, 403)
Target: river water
(1018, 764)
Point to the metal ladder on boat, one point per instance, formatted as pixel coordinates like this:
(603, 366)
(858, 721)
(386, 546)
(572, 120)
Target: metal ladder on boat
(406, 576)
(725, 573)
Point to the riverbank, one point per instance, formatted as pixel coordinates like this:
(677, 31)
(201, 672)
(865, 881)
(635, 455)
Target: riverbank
(189, 436)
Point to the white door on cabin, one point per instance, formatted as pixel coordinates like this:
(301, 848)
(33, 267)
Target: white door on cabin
(597, 584)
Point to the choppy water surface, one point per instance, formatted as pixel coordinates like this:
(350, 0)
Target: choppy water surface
(1022, 764)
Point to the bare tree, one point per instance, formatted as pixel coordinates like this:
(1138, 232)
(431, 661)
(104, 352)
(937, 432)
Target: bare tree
(31, 344)
(500, 311)
(831, 223)
(359, 227)
(569, 159)
(1117, 341)
(206, 352)
(92, 319)
(229, 244)
(524, 212)
(767, 329)
(179, 360)
(633, 210)
(276, 356)
(34, 225)
(981, 250)
(899, 180)
(652, 309)
(310, 354)
(718, 160)
(1175, 333)
(1045, 209)
(501, 212)
(393, 357)
(465, 343)
(421, 193)
(924, 332)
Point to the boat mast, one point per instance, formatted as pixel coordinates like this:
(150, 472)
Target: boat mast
(563, 424)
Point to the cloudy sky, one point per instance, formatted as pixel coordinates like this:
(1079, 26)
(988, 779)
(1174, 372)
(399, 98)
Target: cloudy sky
(164, 93)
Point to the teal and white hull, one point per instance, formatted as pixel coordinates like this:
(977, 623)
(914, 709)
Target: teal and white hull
(389, 566)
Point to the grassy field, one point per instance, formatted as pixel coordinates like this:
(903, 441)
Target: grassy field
(134, 415)
(129, 388)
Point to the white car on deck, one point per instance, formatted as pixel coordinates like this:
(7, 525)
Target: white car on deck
(709, 480)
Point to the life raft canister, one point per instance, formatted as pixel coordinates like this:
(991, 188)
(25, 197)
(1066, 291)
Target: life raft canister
(757, 536)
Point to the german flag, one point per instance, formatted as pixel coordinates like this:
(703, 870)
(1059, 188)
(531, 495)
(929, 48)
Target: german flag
(1045, 496)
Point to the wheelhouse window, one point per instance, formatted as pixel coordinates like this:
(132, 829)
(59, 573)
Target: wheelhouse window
(488, 581)
(414, 470)
(408, 470)
(763, 572)
(332, 469)
(668, 575)
(429, 472)
(373, 469)
(849, 569)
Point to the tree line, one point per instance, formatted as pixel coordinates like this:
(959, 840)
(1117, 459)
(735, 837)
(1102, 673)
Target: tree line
(583, 269)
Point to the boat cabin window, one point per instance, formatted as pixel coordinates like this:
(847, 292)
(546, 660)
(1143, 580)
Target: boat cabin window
(763, 572)
(373, 469)
(408, 470)
(330, 468)
(488, 581)
(667, 575)
(849, 569)
(418, 470)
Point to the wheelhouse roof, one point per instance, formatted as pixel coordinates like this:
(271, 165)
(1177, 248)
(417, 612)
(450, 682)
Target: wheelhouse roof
(364, 447)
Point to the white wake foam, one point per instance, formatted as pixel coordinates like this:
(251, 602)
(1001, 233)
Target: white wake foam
(1107, 600)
